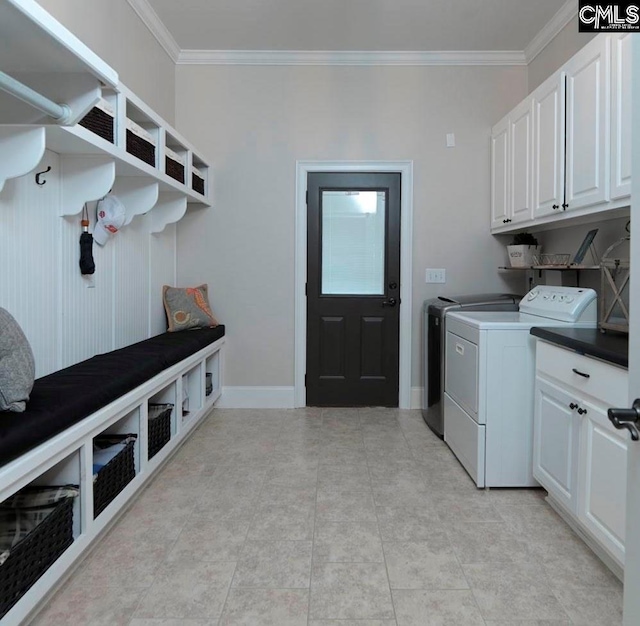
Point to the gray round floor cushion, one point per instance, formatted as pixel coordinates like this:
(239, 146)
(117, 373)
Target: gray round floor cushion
(17, 365)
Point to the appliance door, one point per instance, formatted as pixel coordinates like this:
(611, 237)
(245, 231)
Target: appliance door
(466, 438)
(461, 378)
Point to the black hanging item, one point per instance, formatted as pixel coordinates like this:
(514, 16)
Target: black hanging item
(87, 264)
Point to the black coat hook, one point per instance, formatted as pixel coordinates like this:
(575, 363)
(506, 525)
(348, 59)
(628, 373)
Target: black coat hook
(40, 174)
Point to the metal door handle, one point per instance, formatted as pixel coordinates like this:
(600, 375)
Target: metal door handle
(390, 302)
(626, 418)
(579, 373)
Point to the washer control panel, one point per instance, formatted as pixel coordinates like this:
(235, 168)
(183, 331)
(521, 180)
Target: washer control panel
(569, 304)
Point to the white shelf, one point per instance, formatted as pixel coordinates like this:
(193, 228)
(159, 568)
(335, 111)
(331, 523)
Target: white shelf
(42, 54)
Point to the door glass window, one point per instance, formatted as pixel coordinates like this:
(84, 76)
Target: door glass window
(353, 242)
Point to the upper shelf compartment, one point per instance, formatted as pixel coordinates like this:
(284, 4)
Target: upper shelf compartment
(42, 55)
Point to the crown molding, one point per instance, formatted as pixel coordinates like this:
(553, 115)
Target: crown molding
(157, 28)
(566, 13)
(342, 57)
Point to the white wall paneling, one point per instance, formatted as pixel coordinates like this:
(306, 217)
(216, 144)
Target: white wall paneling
(22, 149)
(137, 194)
(162, 271)
(86, 178)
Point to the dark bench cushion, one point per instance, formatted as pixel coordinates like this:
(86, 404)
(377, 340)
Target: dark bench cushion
(63, 398)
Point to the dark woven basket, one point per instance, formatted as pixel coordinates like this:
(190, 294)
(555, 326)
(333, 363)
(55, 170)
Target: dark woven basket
(114, 476)
(208, 386)
(99, 122)
(159, 427)
(33, 555)
(197, 183)
(174, 169)
(140, 148)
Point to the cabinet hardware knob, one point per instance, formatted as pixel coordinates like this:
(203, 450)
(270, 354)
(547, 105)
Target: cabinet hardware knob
(390, 302)
(579, 373)
(555, 206)
(573, 406)
(582, 411)
(565, 206)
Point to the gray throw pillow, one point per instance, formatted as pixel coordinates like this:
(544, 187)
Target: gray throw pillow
(187, 308)
(17, 365)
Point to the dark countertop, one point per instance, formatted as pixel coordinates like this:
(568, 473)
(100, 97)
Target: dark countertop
(611, 346)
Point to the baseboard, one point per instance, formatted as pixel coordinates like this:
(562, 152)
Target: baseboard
(416, 397)
(256, 398)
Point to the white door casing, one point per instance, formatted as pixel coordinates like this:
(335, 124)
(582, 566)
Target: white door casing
(632, 546)
(405, 168)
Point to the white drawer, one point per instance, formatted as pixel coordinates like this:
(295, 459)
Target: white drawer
(466, 439)
(461, 372)
(602, 381)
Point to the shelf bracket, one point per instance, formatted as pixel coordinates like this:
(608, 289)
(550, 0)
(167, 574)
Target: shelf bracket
(85, 178)
(170, 208)
(22, 149)
(138, 195)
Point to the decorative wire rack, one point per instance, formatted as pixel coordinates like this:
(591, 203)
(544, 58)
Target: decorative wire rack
(614, 286)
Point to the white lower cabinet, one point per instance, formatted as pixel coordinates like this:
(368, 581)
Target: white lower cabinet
(578, 456)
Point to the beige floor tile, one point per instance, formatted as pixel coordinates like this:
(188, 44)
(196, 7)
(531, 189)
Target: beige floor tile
(347, 542)
(350, 591)
(430, 564)
(399, 493)
(516, 591)
(344, 478)
(206, 538)
(274, 564)
(283, 522)
(345, 506)
(266, 607)
(352, 622)
(187, 589)
(453, 507)
(592, 607)
(409, 523)
(287, 495)
(527, 622)
(89, 606)
(172, 622)
(487, 542)
(436, 608)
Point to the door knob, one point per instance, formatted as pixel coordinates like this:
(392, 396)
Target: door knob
(627, 418)
(390, 302)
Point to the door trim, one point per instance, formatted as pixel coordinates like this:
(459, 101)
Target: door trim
(405, 168)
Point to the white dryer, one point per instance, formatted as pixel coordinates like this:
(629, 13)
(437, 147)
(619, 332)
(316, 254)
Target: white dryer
(490, 378)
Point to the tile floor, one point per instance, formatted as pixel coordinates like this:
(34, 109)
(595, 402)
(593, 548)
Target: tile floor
(358, 517)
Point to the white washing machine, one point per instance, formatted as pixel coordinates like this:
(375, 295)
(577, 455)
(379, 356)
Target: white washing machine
(490, 378)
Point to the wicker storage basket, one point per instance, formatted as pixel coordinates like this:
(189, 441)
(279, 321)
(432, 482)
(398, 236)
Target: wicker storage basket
(140, 144)
(174, 169)
(208, 385)
(33, 555)
(197, 181)
(116, 474)
(159, 427)
(99, 122)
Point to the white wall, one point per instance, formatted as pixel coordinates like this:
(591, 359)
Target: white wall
(253, 123)
(68, 318)
(113, 30)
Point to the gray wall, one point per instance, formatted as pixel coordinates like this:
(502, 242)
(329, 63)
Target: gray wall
(255, 122)
(114, 32)
(557, 52)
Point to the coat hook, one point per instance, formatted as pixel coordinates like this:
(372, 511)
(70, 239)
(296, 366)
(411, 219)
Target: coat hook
(40, 174)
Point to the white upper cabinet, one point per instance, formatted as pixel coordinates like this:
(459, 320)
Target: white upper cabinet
(520, 162)
(548, 146)
(587, 126)
(499, 173)
(569, 143)
(621, 117)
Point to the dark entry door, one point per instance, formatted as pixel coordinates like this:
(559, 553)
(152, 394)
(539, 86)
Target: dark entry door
(353, 289)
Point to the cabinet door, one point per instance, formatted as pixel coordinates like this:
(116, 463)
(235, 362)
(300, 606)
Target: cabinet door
(588, 97)
(556, 432)
(499, 174)
(548, 146)
(621, 117)
(603, 480)
(520, 161)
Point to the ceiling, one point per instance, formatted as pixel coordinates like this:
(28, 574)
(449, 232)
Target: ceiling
(353, 25)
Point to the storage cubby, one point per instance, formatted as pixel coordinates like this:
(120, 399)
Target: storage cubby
(192, 391)
(161, 419)
(43, 518)
(116, 459)
(142, 135)
(212, 377)
(175, 158)
(199, 176)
